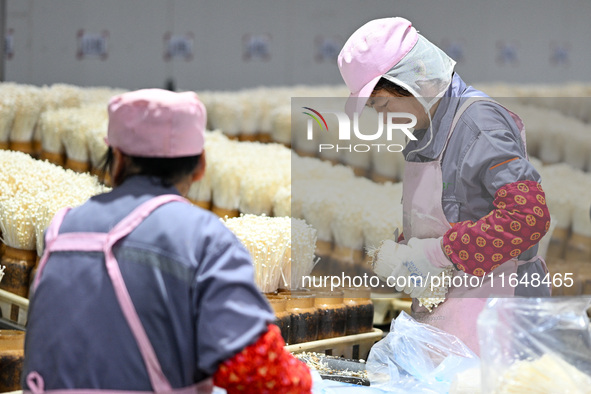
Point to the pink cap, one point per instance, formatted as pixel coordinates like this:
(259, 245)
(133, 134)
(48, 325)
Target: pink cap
(157, 123)
(371, 52)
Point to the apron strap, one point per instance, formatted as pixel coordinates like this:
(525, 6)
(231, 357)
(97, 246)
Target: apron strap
(533, 259)
(79, 242)
(469, 101)
(123, 228)
(35, 382)
(56, 223)
(87, 242)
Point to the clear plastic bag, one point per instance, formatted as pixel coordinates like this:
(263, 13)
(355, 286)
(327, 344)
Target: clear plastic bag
(417, 358)
(540, 345)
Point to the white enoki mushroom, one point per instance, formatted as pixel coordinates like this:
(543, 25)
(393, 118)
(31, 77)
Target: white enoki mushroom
(315, 199)
(559, 183)
(99, 94)
(433, 296)
(7, 111)
(246, 176)
(51, 125)
(546, 374)
(54, 97)
(263, 109)
(60, 95)
(31, 192)
(307, 168)
(382, 215)
(17, 221)
(202, 190)
(226, 163)
(83, 122)
(568, 192)
(225, 114)
(303, 245)
(277, 261)
(250, 113)
(97, 147)
(282, 202)
(207, 97)
(280, 119)
(346, 223)
(578, 145)
(311, 176)
(265, 103)
(300, 140)
(269, 170)
(28, 105)
(268, 241)
(258, 188)
(74, 138)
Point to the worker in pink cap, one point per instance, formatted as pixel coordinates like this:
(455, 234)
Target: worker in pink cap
(471, 199)
(138, 290)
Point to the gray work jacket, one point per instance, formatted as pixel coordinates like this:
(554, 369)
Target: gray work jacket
(485, 136)
(191, 282)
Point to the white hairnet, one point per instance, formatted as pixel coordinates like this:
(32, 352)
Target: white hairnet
(426, 72)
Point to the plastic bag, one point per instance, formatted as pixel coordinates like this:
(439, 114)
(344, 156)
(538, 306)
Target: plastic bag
(418, 358)
(540, 345)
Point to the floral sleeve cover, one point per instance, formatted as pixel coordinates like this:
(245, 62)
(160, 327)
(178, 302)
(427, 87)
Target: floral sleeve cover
(264, 367)
(520, 220)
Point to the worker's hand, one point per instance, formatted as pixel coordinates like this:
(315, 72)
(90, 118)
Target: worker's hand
(410, 266)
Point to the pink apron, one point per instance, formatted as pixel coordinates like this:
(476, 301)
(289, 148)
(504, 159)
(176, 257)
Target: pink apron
(103, 242)
(423, 217)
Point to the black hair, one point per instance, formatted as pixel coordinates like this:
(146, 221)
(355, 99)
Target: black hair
(391, 87)
(169, 170)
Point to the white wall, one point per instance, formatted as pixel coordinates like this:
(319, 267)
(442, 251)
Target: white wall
(44, 36)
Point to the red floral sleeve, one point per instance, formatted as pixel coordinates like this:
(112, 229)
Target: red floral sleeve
(520, 220)
(264, 367)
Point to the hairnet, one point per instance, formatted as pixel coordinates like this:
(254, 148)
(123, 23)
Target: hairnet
(426, 72)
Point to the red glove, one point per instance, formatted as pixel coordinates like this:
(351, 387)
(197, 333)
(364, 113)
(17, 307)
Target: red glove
(264, 367)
